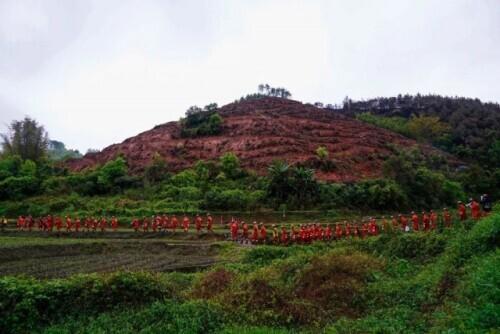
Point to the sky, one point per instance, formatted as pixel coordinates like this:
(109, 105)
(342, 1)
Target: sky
(95, 72)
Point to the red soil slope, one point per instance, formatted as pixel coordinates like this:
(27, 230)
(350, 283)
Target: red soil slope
(259, 131)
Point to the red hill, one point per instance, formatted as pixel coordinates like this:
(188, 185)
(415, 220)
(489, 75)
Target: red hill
(259, 131)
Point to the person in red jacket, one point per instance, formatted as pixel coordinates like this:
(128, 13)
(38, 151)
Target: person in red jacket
(174, 222)
(434, 219)
(114, 223)
(328, 233)
(210, 222)
(284, 235)
(88, 224)
(426, 221)
(364, 230)
(244, 232)
(30, 222)
(77, 224)
(68, 224)
(164, 223)
(385, 225)
(355, 230)
(58, 223)
(41, 224)
(338, 231)
(262, 233)
(255, 233)
(404, 223)
(446, 218)
(185, 223)
(275, 235)
(154, 223)
(95, 224)
(462, 211)
(21, 222)
(135, 224)
(415, 221)
(347, 229)
(234, 230)
(475, 209)
(50, 223)
(145, 225)
(104, 224)
(372, 226)
(198, 223)
(395, 224)
(303, 234)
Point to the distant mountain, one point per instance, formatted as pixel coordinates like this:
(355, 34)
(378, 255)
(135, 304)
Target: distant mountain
(261, 130)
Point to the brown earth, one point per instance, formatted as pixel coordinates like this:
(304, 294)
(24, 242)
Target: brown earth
(261, 130)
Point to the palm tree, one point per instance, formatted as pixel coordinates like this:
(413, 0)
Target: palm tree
(279, 186)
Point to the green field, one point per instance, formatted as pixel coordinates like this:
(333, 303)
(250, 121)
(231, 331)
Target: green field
(442, 281)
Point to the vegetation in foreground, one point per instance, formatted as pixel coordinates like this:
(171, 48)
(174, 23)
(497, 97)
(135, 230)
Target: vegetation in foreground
(413, 283)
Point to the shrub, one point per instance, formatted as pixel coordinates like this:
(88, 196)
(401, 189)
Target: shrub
(28, 303)
(212, 283)
(18, 187)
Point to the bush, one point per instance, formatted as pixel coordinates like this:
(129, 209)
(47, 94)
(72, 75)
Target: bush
(160, 317)
(28, 303)
(212, 283)
(18, 187)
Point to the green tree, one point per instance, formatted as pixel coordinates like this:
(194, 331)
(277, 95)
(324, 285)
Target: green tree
(109, 175)
(157, 170)
(27, 139)
(9, 166)
(215, 123)
(230, 165)
(279, 184)
(305, 188)
(28, 168)
(427, 128)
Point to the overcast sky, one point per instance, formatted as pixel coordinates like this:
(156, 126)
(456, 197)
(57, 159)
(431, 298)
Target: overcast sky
(97, 72)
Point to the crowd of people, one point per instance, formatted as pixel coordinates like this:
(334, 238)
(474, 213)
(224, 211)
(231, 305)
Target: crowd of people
(307, 233)
(240, 231)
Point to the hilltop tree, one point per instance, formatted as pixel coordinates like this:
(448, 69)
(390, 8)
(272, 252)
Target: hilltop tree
(201, 121)
(27, 139)
(267, 90)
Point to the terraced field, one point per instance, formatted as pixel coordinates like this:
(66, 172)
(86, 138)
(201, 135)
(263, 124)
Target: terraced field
(43, 256)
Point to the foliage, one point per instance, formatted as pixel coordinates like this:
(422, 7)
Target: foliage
(294, 185)
(422, 128)
(474, 125)
(201, 122)
(427, 128)
(156, 171)
(267, 90)
(424, 187)
(27, 139)
(18, 187)
(322, 153)
(393, 123)
(58, 151)
(27, 303)
(230, 165)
